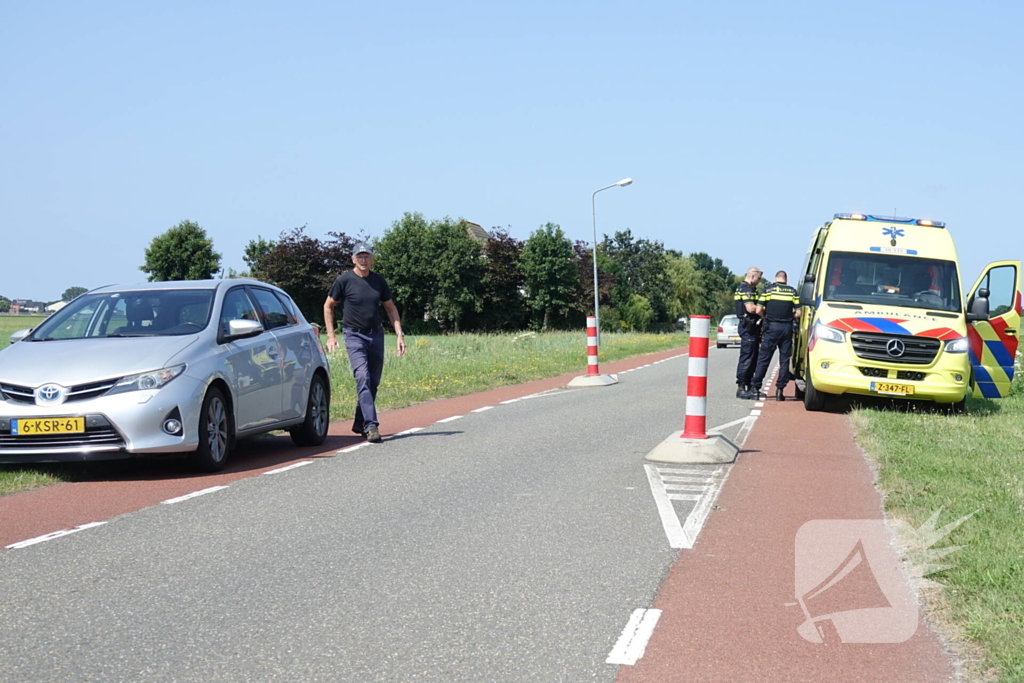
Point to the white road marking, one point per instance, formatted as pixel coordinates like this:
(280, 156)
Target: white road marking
(194, 494)
(669, 519)
(759, 404)
(755, 412)
(511, 400)
(480, 410)
(52, 535)
(407, 432)
(633, 641)
(357, 446)
(451, 419)
(289, 467)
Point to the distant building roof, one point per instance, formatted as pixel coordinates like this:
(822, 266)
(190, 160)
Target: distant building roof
(477, 233)
(57, 305)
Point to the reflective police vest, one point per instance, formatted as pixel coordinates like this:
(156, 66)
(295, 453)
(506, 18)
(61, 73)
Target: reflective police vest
(779, 301)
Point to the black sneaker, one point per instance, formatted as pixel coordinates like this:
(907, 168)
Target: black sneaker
(372, 435)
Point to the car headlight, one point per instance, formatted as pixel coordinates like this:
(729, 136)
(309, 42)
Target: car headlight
(829, 333)
(146, 380)
(960, 345)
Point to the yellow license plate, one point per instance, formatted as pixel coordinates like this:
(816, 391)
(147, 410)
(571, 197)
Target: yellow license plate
(48, 425)
(893, 389)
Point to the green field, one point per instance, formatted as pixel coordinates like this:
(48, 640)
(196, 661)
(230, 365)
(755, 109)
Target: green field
(13, 323)
(435, 367)
(971, 463)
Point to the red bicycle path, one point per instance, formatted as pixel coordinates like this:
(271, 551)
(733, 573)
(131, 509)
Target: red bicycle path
(724, 615)
(141, 483)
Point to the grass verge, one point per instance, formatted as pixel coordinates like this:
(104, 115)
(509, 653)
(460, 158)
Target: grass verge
(964, 463)
(433, 368)
(12, 323)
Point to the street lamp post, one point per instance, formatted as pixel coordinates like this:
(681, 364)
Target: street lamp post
(593, 214)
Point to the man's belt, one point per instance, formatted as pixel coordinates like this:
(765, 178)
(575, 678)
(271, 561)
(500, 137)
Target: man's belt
(780, 320)
(363, 330)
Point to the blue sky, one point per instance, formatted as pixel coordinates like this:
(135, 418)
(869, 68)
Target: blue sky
(744, 125)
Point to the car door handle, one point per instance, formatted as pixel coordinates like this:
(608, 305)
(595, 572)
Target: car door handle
(1009, 331)
(272, 352)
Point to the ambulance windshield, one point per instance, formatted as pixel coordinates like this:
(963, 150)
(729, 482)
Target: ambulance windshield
(893, 279)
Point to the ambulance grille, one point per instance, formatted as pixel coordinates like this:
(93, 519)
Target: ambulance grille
(874, 346)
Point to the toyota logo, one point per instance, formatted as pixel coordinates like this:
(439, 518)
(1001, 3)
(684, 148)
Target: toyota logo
(49, 393)
(895, 348)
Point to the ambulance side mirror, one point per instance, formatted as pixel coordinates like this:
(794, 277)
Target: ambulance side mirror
(807, 291)
(979, 306)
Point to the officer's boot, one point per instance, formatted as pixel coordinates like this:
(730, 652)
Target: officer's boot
(779, 396)
(742, 391)
(756, 394)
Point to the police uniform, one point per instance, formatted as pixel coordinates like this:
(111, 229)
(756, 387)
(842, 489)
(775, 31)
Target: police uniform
(779, 301)
(750, 334)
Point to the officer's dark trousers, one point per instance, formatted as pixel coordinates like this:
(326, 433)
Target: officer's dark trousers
(749, 340)
(776, 334)
(366, 356)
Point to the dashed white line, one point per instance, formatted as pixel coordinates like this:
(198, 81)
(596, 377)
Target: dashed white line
(407, 432)
(194, 494)
(289, 467)
(480, 410)
(52, 535)
(755, 412)
(633, 642)
(354, 448)
(451, 419)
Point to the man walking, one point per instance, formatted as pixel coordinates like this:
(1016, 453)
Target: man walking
(361, 293)
(780, 309)
(748, 310)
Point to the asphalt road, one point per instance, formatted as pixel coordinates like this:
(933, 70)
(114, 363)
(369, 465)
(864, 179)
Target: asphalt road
(510, 544)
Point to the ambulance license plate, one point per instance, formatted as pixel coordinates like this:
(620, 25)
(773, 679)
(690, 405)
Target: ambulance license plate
(48, 425)
(892, 389)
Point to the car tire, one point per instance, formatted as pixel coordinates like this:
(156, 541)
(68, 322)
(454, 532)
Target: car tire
(719, 346)
(798, 392)
(215, 431)
(313, 430)
(814, 400)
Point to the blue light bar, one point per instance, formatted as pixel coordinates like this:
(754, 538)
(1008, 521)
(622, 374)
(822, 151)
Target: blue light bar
(890, 219)
(930, 224)
(851, 216)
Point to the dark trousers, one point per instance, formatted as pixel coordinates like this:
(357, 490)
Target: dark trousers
(750, 338)
(366, 356)
(776, 334)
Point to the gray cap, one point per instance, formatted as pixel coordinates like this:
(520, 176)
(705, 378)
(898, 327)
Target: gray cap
(362, 248)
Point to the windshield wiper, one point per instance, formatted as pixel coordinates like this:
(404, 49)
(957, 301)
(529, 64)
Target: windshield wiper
(128, 335)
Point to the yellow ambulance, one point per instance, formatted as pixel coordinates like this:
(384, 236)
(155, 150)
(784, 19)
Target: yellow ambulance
(884, 314)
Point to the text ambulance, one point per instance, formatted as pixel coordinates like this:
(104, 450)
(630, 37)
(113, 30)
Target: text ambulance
(884, 315)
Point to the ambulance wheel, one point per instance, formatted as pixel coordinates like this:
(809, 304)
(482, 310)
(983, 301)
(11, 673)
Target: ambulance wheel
(814, 400)
(798, 392)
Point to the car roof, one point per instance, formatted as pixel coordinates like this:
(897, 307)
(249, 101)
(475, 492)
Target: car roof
(181, 284)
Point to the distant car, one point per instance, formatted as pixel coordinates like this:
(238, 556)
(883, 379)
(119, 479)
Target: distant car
(163, 367)
(681, 324)
(728, 331)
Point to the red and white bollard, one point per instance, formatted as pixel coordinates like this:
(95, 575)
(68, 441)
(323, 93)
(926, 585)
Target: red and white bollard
(695, 425)
(592, 369)
(593, 378)
(693, 444)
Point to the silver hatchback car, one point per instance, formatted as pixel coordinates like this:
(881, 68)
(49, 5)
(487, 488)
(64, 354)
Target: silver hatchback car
(163, 367)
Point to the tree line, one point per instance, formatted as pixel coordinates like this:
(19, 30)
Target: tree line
(446, 280)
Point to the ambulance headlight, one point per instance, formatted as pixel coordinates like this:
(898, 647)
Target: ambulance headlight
(957, 345)
(829, 333)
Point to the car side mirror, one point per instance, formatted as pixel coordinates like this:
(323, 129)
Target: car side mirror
(979, 306)
(239, 329)
(20, 334)
(807, 291)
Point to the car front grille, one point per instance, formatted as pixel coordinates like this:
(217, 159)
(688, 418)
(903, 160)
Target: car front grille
(873, 346)
(79, 392)
(104, 436)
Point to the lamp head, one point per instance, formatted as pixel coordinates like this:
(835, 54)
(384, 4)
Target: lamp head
(624, 182)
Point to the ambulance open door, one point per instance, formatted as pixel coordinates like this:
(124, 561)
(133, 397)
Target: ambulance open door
(993, 342)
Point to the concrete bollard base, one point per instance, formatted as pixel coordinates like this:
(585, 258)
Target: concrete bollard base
(714, 449)
(593, 381)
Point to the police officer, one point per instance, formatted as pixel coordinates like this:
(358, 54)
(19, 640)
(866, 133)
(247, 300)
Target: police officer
(749, 311)
(780, 310)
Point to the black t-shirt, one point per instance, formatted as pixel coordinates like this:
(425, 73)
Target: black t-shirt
(779, 301)
(360, 298)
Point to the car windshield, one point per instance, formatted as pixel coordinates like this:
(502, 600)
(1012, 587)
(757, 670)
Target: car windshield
(149, 313)
(892, 279)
